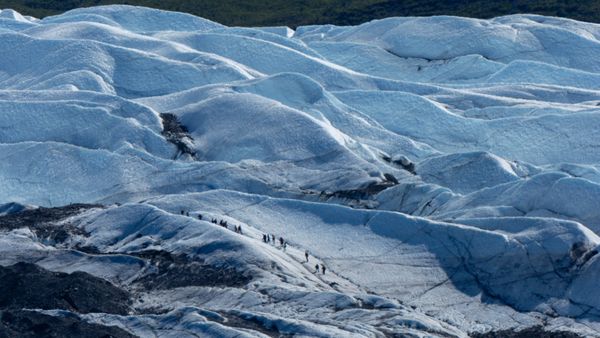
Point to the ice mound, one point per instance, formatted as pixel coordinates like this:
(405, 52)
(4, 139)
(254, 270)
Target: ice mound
(444, 172)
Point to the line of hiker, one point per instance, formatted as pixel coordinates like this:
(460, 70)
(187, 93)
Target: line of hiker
(236, 228)
(270, 238)
(322, 266)
(267, 238)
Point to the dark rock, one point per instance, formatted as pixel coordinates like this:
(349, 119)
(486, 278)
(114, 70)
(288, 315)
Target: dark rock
(26, 285)
(180, 271)
(371, 189)
(177, 134)
(391, 178)
(406, 164)
(11, 208)
(403, 162)
(587, 256)
(25, 324)
(42, 221)
(234, 320)
(536, 331)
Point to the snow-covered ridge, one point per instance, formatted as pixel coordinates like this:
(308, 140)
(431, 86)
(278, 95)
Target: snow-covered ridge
(445, 170)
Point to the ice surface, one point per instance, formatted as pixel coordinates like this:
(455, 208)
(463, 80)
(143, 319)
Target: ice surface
(445, 170)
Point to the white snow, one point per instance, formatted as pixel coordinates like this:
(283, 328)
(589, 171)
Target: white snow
(445, 170)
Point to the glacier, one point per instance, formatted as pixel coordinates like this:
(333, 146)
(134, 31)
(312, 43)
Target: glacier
(445, 171)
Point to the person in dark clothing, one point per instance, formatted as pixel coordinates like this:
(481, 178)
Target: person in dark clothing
(306, 255)
(240, 229)
(284, 246)
(316, 267)
(273, 238)
(182, 212)
(323, 268)
(281, 241)
(187, 213)
(264, 238)
(200, 216)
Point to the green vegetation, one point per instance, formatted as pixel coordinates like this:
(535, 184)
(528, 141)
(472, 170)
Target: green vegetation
(340, 12)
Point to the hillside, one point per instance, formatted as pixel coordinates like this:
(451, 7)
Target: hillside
(166, 175)
(296, 13)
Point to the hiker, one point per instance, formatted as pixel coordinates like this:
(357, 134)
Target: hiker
(281, 241)
(273, 238)
(306, 255)
(214, 221)
(187, 213)
(284, 246)
(323, 268)
(316, 267)
(240, 229)
(264, 238)
(200, 216)
(182, 212)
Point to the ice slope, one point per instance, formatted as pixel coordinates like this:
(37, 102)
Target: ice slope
(375, 60)
(136, 19)
(95, 66)
(298, 137)
(503, 39)
(467, 149)
(452, 170)
(420, 118)
(423, 263)
(309, 97)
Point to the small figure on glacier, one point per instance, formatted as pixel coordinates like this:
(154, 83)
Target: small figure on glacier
(316, 268)
(187, 213)
(272, 238)
(306, 255)
(182, 211)
(200, 216)
(284, 246)
(264, 238)
(240, 230)
(323, 268)
(281, 240)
